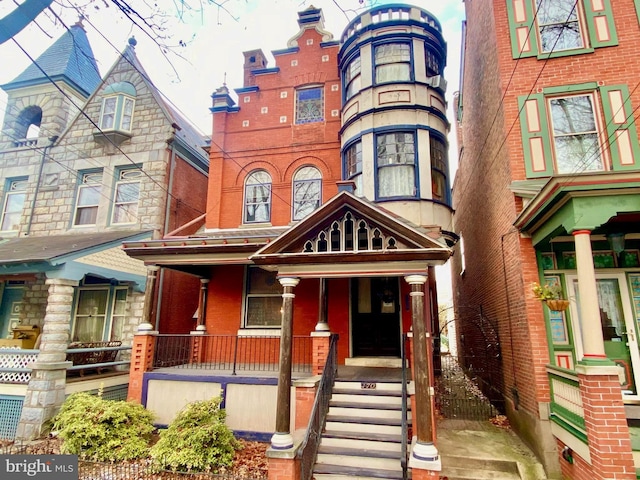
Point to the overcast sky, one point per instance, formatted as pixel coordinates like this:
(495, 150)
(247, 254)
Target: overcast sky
(215, 39)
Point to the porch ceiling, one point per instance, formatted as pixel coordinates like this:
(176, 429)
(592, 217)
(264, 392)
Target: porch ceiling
(568, 203)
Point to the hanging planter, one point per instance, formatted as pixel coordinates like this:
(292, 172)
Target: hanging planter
(551, 294)
(557, 304)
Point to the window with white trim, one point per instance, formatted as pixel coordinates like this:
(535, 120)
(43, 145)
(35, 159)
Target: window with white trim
(88, 198)
(14, 199)
(126, 196)
(257, 197)
(352, 78)
(118, 107)
(310, 105)
(392, 62)
(307, 191)
(263, 299)
(99, 314)
(396, 164)
(353, 165)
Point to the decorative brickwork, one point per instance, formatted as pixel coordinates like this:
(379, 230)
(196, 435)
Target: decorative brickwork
(142, 352)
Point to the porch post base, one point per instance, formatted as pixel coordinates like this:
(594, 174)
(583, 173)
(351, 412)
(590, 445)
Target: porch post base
(425, 456)
(281, 441)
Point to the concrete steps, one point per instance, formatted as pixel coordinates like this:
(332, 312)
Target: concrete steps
(363, 433)
(469, 468)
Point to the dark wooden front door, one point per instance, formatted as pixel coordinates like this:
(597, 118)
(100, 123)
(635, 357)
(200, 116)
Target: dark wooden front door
(375, 315)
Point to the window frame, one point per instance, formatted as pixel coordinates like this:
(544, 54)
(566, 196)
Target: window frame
(245, 203)
(597, 132)
(408, 62)
(579, 20)
(112, 293)
(379, 167)
(121, 101)
(441, 169)
(120, 181)
(249, 295)
(356, 175)
(298, 104)
(298, 182)
(350, 79)
(83, 177)
(9, 193)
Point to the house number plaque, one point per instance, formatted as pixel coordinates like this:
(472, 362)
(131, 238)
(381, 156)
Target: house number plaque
(368, 386)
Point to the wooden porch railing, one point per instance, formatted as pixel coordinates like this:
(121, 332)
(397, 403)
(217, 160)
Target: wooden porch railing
(231, 353)
(566, 401)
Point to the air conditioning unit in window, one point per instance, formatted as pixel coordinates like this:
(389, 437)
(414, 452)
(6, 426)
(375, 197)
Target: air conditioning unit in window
(438, 82)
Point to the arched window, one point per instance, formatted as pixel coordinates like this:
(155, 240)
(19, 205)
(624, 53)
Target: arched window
(27, 125)
(257, 197)
(307, 190)
(117, 107)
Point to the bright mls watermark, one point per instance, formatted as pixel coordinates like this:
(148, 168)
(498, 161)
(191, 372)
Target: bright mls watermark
(39, 467)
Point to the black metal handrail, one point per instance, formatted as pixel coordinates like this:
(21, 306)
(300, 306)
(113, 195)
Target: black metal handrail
(404, 459)
(309, 448)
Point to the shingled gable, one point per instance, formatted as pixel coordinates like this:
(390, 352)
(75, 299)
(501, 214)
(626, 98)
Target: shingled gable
(398, 240)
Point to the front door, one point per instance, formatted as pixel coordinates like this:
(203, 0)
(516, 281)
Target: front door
(375, 315)
(10, 309)
(618, 328)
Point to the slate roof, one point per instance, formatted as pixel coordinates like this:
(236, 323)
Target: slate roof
(50, 248)
(70, 58)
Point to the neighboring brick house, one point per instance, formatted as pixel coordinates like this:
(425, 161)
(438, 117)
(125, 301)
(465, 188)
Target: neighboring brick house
(547, 192)
(329, 183)
(85, 164)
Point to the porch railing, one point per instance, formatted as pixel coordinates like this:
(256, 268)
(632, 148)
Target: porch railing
(404, 459)
(309, 448)
(566, 400)
(14, 361)
(229, 352)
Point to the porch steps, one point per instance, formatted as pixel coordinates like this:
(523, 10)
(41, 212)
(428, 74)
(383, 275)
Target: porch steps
(363, 433)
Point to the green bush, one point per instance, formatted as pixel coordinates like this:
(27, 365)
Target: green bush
(197, 440)
(103, 430)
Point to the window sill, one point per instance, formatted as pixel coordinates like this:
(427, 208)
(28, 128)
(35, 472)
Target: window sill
(259, 332)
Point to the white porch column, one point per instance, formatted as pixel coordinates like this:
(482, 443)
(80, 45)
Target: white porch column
(592, 339)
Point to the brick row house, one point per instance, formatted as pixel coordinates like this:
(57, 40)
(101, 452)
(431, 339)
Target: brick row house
(547, 192)
(85, 163)
(328, 208)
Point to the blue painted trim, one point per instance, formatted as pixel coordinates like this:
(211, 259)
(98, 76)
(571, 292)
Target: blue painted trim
(330, 43)
(22, 267)
(265, 71)
(416, 180)
(432, 110)
(284, 51)
(263, 437)
(46, 81)
(247, 89)
(398, 128)
(395, 39)
(224, 109)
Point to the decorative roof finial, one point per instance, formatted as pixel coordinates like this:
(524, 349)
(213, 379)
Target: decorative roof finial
(224, 82)
(132, 41)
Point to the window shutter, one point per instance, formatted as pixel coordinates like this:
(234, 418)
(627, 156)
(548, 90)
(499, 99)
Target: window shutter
(637, 2)
(622, 135)
(524, 37)
(535, 136)
(602, 30)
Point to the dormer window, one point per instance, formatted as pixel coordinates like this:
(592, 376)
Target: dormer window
(116, 116)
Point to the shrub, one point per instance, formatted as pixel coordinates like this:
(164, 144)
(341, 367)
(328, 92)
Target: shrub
(103, 430)
(197, 440)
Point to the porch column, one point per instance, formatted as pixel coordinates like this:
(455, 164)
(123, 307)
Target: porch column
(425, 459)
(592, 339)
(282, 438)
(323, 322)
(149, 295)
(202, 305)
(46, 389)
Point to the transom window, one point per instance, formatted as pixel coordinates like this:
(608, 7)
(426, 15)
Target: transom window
(13, 204)
(352, 78)
(353, 163)
(393, 62)
(263, 299)
(126, 196)
(310, 105)
(89, 192)
(395, 160)
(307, 190)
(575, 134)
(257, 197)
(559, 25)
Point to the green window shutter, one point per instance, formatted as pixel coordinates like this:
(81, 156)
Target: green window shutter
(622, 135)
(524, 37)
(536, 141)
(600, 24)
(637, 2)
